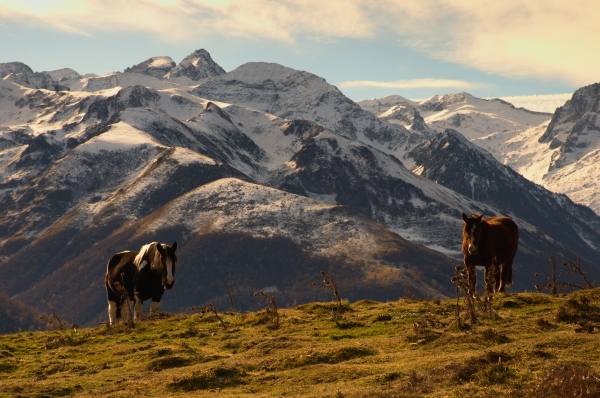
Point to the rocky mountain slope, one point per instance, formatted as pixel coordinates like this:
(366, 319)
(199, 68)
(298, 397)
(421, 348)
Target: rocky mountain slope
(456, 163)
(265, 175)
(564, 157)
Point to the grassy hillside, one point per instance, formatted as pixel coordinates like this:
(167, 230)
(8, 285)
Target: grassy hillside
(531, 344)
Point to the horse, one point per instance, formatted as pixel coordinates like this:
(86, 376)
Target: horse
(488, 242)
(139, 276)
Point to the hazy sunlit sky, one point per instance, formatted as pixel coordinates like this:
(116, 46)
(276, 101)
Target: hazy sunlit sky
(530, 49)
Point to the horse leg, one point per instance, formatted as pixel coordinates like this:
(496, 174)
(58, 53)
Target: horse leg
(497, 280)
(490, 277)
(156, 301)
(154, 307)
(505, 275)
(112, 312)
(502, 278)
(137, 309)
(114, 302)
(125, 315)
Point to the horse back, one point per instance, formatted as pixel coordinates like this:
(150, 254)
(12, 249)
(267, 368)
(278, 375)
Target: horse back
(506, 235)
(118, 262)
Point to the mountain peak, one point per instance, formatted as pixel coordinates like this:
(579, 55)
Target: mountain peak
(14, 67)
(439, 103)
(574, 127)
(197, 66)
(63, 74)
(263, 72)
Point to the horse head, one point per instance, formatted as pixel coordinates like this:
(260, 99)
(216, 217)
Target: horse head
(472, 232)
(168, 261)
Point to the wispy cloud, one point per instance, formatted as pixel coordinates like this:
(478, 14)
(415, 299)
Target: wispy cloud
(282, 20)
(410, 84)
(517, 38)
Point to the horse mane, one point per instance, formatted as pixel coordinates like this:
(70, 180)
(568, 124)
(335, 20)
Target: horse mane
(148, 253)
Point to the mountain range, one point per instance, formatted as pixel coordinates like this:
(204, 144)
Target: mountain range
(265, 175)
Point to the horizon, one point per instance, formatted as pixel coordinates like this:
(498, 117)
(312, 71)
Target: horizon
(513, 51)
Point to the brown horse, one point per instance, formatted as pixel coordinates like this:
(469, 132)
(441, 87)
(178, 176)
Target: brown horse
(488, 242)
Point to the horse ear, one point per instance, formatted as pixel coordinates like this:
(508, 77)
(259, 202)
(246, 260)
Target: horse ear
(479, 217)
(174, 246)
(465, 217)
(160, 249)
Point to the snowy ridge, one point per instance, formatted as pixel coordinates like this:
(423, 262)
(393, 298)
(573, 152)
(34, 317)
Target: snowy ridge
(293, 94)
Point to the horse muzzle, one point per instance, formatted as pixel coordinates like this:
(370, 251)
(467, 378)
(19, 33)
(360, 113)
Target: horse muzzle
(472, 249)
(169, 286)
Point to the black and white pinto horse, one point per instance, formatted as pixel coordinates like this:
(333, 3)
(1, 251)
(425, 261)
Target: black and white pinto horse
(139, 276)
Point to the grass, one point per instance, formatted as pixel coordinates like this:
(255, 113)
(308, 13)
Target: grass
(535, 346)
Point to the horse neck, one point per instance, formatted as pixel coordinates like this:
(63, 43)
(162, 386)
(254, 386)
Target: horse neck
(149, 253)
(156, 263)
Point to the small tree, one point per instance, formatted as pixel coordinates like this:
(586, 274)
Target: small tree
(488, 295)
(554, 285)
(209, 308)
(53, 322)
(573, 268)
(272, 310)
(329, 283)
(57, 325)
(230, 296)
(462, 282)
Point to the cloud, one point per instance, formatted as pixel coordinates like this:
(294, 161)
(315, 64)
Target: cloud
(524, 39)
(540, 103)
(282, 20)
(553, 40)
(409, 84)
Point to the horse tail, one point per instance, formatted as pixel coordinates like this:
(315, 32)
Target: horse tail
(509, 271)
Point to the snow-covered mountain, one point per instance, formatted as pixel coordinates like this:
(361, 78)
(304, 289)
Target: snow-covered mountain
(292, 94)
(196, 67)
(23, 75)
(490, 124)
(559, 151)
(247, 170)
(565, 157)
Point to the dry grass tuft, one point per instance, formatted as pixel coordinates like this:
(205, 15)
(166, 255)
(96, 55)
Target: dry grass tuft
(213, 378)
(563, 380)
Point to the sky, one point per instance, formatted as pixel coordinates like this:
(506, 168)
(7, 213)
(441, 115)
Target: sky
(533, 53)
